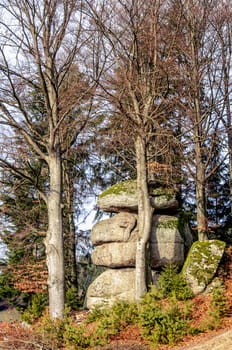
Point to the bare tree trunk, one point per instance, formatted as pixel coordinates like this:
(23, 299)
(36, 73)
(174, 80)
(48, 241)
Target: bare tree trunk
(69, 230)
(226, 82)
(202, 225)
(70, 257)
(145, 212)
(198, 135)
(54, 240)
(229, 133)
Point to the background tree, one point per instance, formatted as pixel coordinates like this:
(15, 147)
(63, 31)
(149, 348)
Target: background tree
(222, 24)
(137, 87)
(198, 98)
(40, 45)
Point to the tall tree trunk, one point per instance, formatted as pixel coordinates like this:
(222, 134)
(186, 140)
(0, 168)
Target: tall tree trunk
(54, 239)
(69, 232)
(145, 212)
(228, 121)
(196, 98)
(71, 253)
(202, 224)
(225, 39)
(229, 133)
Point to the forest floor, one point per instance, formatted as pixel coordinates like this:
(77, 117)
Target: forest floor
(14, 335)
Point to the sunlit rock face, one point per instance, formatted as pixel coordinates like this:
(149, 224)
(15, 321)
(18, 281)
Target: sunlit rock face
(115, 241)
(123, 197)
(119, 197)
(202, 263)
(119, 228)
(167, 245)
(115, 255)
(111, 286)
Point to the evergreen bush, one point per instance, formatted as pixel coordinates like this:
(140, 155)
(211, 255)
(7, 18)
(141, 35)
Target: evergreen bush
(172, 284)
(35, 308)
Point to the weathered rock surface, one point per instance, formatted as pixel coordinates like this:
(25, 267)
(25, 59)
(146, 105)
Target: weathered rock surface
(119, 228)
(123, 197)
(115, 255)
(163, 199)
(167, 245)
(202, 263)
(115, 241)
(110, 286)
(119, 197)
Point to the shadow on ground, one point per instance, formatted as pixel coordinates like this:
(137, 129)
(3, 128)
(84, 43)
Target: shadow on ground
(8, 313)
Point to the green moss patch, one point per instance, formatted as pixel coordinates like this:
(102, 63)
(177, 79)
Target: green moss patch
(172, 223)
(168, 193)
(202, 261)
(128, 187)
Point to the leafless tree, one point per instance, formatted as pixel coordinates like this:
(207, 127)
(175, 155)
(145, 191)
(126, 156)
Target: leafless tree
(222, 24)
(138, 90)
(198, 58)
(43, 56)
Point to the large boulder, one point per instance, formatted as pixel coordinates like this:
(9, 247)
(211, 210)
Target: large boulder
(167, 244)
(119, 228)
(202, 263)
(110, 286)
(115, 255)
(164, 199)
(123, 197)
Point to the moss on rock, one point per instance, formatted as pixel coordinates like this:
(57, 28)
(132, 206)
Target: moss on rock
(168, 222)
(202, 263)
(123, 195)
(163, 191)
(128, 186)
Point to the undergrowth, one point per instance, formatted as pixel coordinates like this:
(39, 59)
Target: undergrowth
(164, 316)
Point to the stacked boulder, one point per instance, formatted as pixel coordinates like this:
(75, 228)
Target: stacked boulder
(115, 241)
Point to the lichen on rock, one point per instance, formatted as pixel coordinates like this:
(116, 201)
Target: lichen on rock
(111, 286)
(119, 197)
(123, 197)
(128, 186)
(166, 243)
(201, 264)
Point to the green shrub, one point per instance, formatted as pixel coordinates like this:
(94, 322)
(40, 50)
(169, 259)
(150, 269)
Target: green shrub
(169, 327)
(218, 307)
(163, 322)
(72, 298)
(121, 311)
(219, 300)
(36, 307)
(52, 331)
(75, 336)
(109, 321)
(96, 314)
(124, 313)
(7, 291)
(172, 284)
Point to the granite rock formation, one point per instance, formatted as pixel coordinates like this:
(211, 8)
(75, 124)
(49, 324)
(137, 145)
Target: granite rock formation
(201, 264)
(115, 240)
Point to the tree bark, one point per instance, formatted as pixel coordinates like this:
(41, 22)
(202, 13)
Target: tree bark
(145, 212)
(54, 239)
(199, 136)
(202, 225)
(69, 229)
(229, 135)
